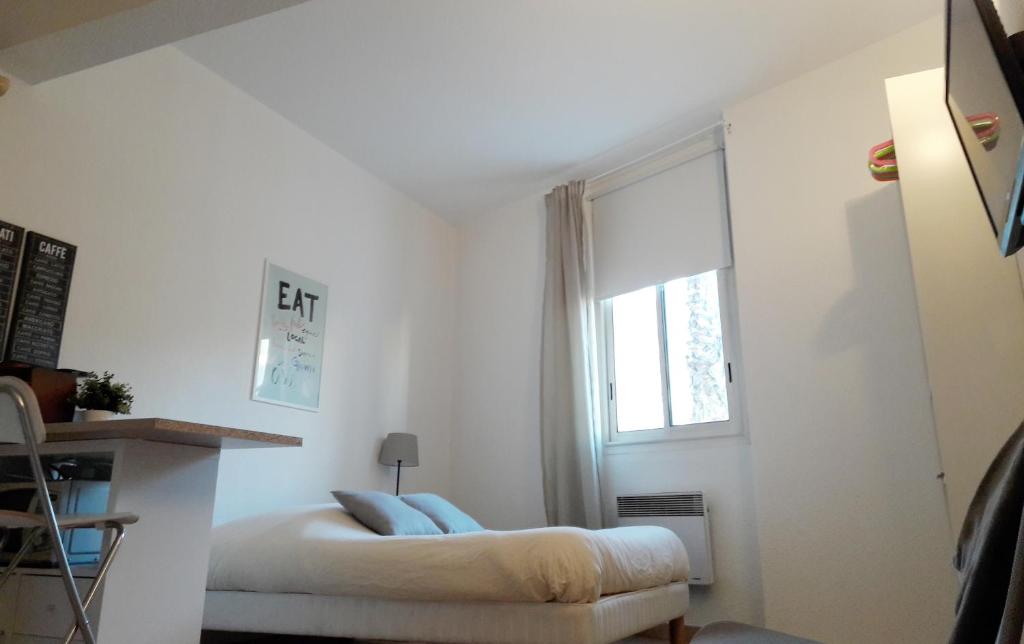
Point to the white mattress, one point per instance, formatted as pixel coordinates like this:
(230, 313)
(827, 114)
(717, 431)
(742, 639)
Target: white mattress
(608, 620)
(322, 550)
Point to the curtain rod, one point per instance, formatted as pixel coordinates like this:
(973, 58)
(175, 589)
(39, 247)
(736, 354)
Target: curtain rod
(717, 125)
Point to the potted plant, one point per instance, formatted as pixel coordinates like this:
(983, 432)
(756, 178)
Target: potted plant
(101, 398)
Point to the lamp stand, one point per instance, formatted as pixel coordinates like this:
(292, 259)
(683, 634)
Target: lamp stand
(398, 477)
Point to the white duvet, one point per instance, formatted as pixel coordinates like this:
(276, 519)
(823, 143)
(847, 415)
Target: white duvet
(323, 550)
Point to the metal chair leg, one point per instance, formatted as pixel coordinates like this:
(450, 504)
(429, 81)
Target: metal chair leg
(26, 546)
(72, 591)
(57, 544)
(100, 575)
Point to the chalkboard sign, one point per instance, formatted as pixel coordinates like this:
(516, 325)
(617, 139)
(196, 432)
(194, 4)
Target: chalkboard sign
(11, 237)
(37, 323)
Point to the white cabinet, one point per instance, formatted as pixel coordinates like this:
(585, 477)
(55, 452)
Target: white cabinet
(156, 587)
(968, 296)
(8, 602)
(42, 609)
(165, 472)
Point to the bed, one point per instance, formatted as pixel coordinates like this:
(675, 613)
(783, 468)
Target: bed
(316, 571)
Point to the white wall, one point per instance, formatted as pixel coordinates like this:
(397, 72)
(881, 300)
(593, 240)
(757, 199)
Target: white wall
(175, 186)
(853, 531)
(496, 473)
(721, 468)
(496, 449)
(851, 538)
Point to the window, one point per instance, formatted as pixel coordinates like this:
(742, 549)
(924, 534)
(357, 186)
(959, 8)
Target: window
(668, 367)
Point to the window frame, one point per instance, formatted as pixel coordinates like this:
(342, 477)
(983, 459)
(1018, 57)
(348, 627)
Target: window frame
(731, 355)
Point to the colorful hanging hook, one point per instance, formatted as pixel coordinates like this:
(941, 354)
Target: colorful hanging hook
(986, 128)
(882, 157)
(882, 162)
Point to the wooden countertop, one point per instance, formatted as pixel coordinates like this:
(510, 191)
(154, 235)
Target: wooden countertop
(167, 431)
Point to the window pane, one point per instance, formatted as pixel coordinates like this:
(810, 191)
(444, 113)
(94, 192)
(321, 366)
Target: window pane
(696, 362)
(638, 400)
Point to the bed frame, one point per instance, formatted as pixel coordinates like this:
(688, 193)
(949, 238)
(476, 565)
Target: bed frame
(608, 620)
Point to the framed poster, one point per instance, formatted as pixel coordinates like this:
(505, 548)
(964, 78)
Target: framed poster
(290, 346)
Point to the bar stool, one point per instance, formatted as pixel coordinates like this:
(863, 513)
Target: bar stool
(21, 423)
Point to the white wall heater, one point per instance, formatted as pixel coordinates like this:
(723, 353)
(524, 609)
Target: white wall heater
(684, 513)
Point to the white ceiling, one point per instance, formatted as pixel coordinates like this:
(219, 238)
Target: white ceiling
(466, 105)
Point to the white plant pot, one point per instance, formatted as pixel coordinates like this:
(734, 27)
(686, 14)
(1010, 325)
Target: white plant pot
(90, 415)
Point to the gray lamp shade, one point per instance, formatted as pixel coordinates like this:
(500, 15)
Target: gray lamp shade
(400, 447)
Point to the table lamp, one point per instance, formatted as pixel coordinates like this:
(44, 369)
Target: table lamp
(399, 449)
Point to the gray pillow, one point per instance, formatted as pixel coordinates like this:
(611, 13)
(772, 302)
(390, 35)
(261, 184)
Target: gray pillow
(447, 517)
(385, 514)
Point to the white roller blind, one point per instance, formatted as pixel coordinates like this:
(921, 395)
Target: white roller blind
(669, 225)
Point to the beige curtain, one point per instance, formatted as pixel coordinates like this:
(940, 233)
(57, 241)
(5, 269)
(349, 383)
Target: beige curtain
(569, 434)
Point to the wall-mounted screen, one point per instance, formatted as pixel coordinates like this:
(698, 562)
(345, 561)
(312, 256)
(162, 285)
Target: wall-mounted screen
(985, 96)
